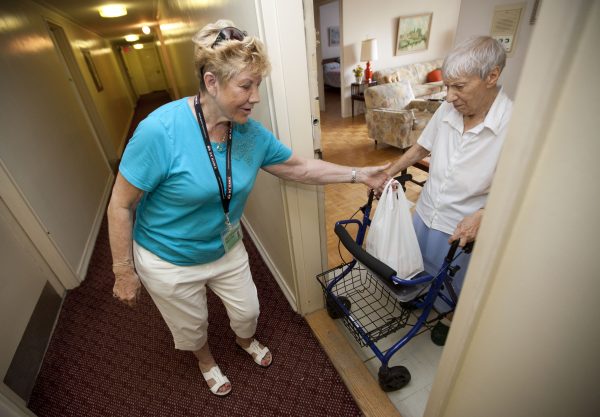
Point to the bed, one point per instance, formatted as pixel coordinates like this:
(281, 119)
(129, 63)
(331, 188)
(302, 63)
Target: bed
(331, 72)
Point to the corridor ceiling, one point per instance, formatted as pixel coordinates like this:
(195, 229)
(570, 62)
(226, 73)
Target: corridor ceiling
(85, 13)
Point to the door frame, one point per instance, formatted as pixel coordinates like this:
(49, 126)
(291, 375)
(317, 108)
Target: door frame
(282, 26)
(82, 93)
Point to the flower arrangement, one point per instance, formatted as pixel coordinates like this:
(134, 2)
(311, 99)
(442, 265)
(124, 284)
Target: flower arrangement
(358, 71)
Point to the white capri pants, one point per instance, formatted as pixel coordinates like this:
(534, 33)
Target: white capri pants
(179, 292)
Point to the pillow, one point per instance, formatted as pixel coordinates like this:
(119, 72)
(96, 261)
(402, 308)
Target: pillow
(404, 94)
(389, 96)
(435, 75)
(331, 66)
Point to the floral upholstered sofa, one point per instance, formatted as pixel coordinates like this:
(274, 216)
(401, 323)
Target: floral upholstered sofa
(416, 75)
(398, 107)
(394, 117)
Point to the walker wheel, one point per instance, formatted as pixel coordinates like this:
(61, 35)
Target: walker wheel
(334, 310)
(393, 378)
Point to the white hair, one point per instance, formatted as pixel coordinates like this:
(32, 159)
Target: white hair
(474, 56)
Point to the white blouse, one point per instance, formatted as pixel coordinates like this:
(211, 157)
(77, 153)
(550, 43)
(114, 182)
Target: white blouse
(462, 165)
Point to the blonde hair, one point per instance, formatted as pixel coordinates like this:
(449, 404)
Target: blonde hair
(229, 57)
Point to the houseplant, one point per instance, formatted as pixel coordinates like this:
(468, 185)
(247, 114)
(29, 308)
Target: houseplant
(358, 73)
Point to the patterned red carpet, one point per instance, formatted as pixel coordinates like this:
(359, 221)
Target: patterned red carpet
(106, 359)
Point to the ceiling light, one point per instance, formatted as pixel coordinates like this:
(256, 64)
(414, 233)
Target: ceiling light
(112, 10)
(138, 46)
(146, 29)
(132, 38)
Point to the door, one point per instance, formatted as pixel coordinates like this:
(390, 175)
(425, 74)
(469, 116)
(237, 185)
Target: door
(144, 68)
(63, 47)
(313, 78)
(152, 68)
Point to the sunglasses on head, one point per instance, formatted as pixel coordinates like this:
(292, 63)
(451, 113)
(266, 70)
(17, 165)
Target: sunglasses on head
(229, 33)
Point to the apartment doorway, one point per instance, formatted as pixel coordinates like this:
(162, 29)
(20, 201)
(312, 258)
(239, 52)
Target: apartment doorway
(144, 68)
(63, 46)
(328, 24)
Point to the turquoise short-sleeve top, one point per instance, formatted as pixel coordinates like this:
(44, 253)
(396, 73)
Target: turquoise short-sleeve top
(180, 217)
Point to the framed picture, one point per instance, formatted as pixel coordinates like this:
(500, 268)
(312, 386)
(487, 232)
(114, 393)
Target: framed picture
(334, 35)
(92, 68)
(413, 33)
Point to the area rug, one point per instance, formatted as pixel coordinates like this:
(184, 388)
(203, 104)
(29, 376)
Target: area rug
(106, 359)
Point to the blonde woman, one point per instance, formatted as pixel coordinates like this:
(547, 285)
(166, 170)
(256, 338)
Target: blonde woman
(186, 174)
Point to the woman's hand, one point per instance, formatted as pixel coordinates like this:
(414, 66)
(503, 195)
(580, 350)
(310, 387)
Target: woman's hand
(127, 286)
(467, 229)
(374, 177)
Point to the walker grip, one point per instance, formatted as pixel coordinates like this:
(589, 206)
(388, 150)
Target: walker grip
(452, 251)
(454, 246)
(362, 255)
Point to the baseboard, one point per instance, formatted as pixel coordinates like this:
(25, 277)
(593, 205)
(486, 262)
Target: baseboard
(124, 138)
(271, 265)
(93, 236)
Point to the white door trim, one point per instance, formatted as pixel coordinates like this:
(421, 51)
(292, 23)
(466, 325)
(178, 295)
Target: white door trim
(281, 25)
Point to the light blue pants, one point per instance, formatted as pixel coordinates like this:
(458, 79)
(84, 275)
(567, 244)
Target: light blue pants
(434, 248)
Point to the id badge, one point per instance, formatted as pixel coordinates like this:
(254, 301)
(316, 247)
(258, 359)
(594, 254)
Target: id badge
(231, 235)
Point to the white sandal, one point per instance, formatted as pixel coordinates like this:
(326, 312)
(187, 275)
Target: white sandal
(220, 380)
(254, 348)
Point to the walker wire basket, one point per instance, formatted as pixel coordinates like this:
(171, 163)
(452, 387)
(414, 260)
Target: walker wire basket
(373, 307)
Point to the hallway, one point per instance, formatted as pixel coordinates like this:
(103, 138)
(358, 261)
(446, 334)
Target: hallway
(107, 359)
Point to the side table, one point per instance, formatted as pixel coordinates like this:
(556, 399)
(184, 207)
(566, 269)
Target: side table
(357, 92)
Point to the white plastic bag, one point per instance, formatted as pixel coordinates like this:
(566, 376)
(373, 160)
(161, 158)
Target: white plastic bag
(392, 238)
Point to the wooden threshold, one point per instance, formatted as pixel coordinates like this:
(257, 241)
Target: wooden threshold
(371, 400)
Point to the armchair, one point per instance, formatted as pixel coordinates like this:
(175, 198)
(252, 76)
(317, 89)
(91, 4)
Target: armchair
(393, 115)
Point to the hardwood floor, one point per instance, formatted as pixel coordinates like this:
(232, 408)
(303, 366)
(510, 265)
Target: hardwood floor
(345, 141)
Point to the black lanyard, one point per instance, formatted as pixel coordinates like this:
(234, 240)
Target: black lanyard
(225, 194)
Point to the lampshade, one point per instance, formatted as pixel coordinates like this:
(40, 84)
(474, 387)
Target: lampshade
(368, 50)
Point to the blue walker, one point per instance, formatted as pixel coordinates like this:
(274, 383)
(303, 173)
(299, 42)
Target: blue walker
(373, 302)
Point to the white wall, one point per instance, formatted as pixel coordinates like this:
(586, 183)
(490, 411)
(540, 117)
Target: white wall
(476, 19)
(329, 17)
(379, 19)
(48, 148)
(113, 103)
(525, 338)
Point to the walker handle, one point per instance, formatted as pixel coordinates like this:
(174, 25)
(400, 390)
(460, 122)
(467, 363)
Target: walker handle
(371, 196)
(454, 246)
(403, 179)
(362, 255)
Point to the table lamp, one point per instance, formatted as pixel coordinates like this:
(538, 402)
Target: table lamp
(368, 52)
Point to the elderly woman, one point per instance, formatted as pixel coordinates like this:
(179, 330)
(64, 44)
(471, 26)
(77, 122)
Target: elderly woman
(464, 138)
(187, 173)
